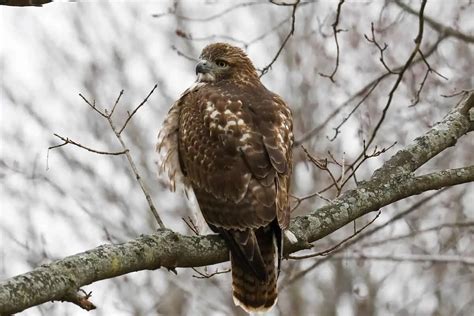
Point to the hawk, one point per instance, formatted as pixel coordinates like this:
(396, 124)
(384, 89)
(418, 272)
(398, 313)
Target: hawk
(229, 139)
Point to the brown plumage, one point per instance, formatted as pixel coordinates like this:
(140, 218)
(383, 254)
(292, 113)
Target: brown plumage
(229, 139)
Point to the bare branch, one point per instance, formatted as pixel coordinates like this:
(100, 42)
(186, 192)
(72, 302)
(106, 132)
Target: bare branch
(201, 275)
(180, 53)
(364, 92)
(93, 106)
(458, 225)
(362, 100)
(79, 298)
(422, 84)
(323, 166)
(362, 156)
(381, 49)
(292, 30)
(191, 225)
(362, 236)
(335, 247)
(211, 17)
(417, 41)
(442, 29)
(130, 115)
(455, 94)
(407, 258)
(168, 249)
(72, 142)
(335, 30)
(129, 156)
(125, 151)
(412, 157)
(116, 102)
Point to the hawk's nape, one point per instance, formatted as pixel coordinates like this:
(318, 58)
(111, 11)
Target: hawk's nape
(229, 139)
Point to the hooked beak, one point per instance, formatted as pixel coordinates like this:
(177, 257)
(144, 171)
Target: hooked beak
(203, 67)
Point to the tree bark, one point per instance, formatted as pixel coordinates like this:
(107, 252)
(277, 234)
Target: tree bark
(394, 181)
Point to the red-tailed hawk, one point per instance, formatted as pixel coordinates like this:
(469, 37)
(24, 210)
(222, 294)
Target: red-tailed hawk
(229, 139)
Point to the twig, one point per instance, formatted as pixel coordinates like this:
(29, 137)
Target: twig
(265, 34)
(407, 258)
(442, 29)
(138, 177)
(430, 229)
(67, 140)
(213, 37)
(130, 115)
(210, 38)
(93, 106)
(343, 173)
(455, 94)
(208, 18)
(202, 275)
(375, 153)
(355, 166)
(362, 100)
(292, 30)
(131, 161)
(370, 87)
(335, 30)
(108, 115)
(180, 53)
(399, 216)
(192, 226)
(381, 49)
(322, 166)
(422, 84)
(299, 200)
(116, 102)
(400, 74)
(335, 247)
(308, 135)
(363, 235)
(415, 51)
(80, 298)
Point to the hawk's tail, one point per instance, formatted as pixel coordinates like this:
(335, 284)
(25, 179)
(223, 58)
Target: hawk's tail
(250, 292)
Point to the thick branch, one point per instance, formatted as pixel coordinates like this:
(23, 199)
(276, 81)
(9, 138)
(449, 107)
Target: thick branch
(369, 197)
(442, 135)
(393, 182)
(56, 280)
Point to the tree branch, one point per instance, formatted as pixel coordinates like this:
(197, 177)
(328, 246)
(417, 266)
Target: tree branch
(408, 258)
(290, 33)
(335, 30)
(442, 29)
(392, 182)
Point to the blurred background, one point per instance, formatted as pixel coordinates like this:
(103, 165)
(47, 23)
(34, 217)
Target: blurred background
(70, 200)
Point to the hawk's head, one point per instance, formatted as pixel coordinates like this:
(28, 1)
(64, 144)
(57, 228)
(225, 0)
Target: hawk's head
(221, 61)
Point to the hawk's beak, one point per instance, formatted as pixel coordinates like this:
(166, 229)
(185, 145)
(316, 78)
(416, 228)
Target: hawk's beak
(203, 67)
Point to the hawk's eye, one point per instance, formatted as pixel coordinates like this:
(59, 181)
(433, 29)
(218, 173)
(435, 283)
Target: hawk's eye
(221, 63)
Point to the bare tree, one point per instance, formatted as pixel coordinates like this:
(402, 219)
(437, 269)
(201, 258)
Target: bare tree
(383, 171)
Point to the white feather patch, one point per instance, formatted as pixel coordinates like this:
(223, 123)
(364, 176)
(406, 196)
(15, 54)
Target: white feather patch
(290, 236)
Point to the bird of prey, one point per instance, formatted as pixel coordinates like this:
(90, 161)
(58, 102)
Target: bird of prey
(229, 139)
